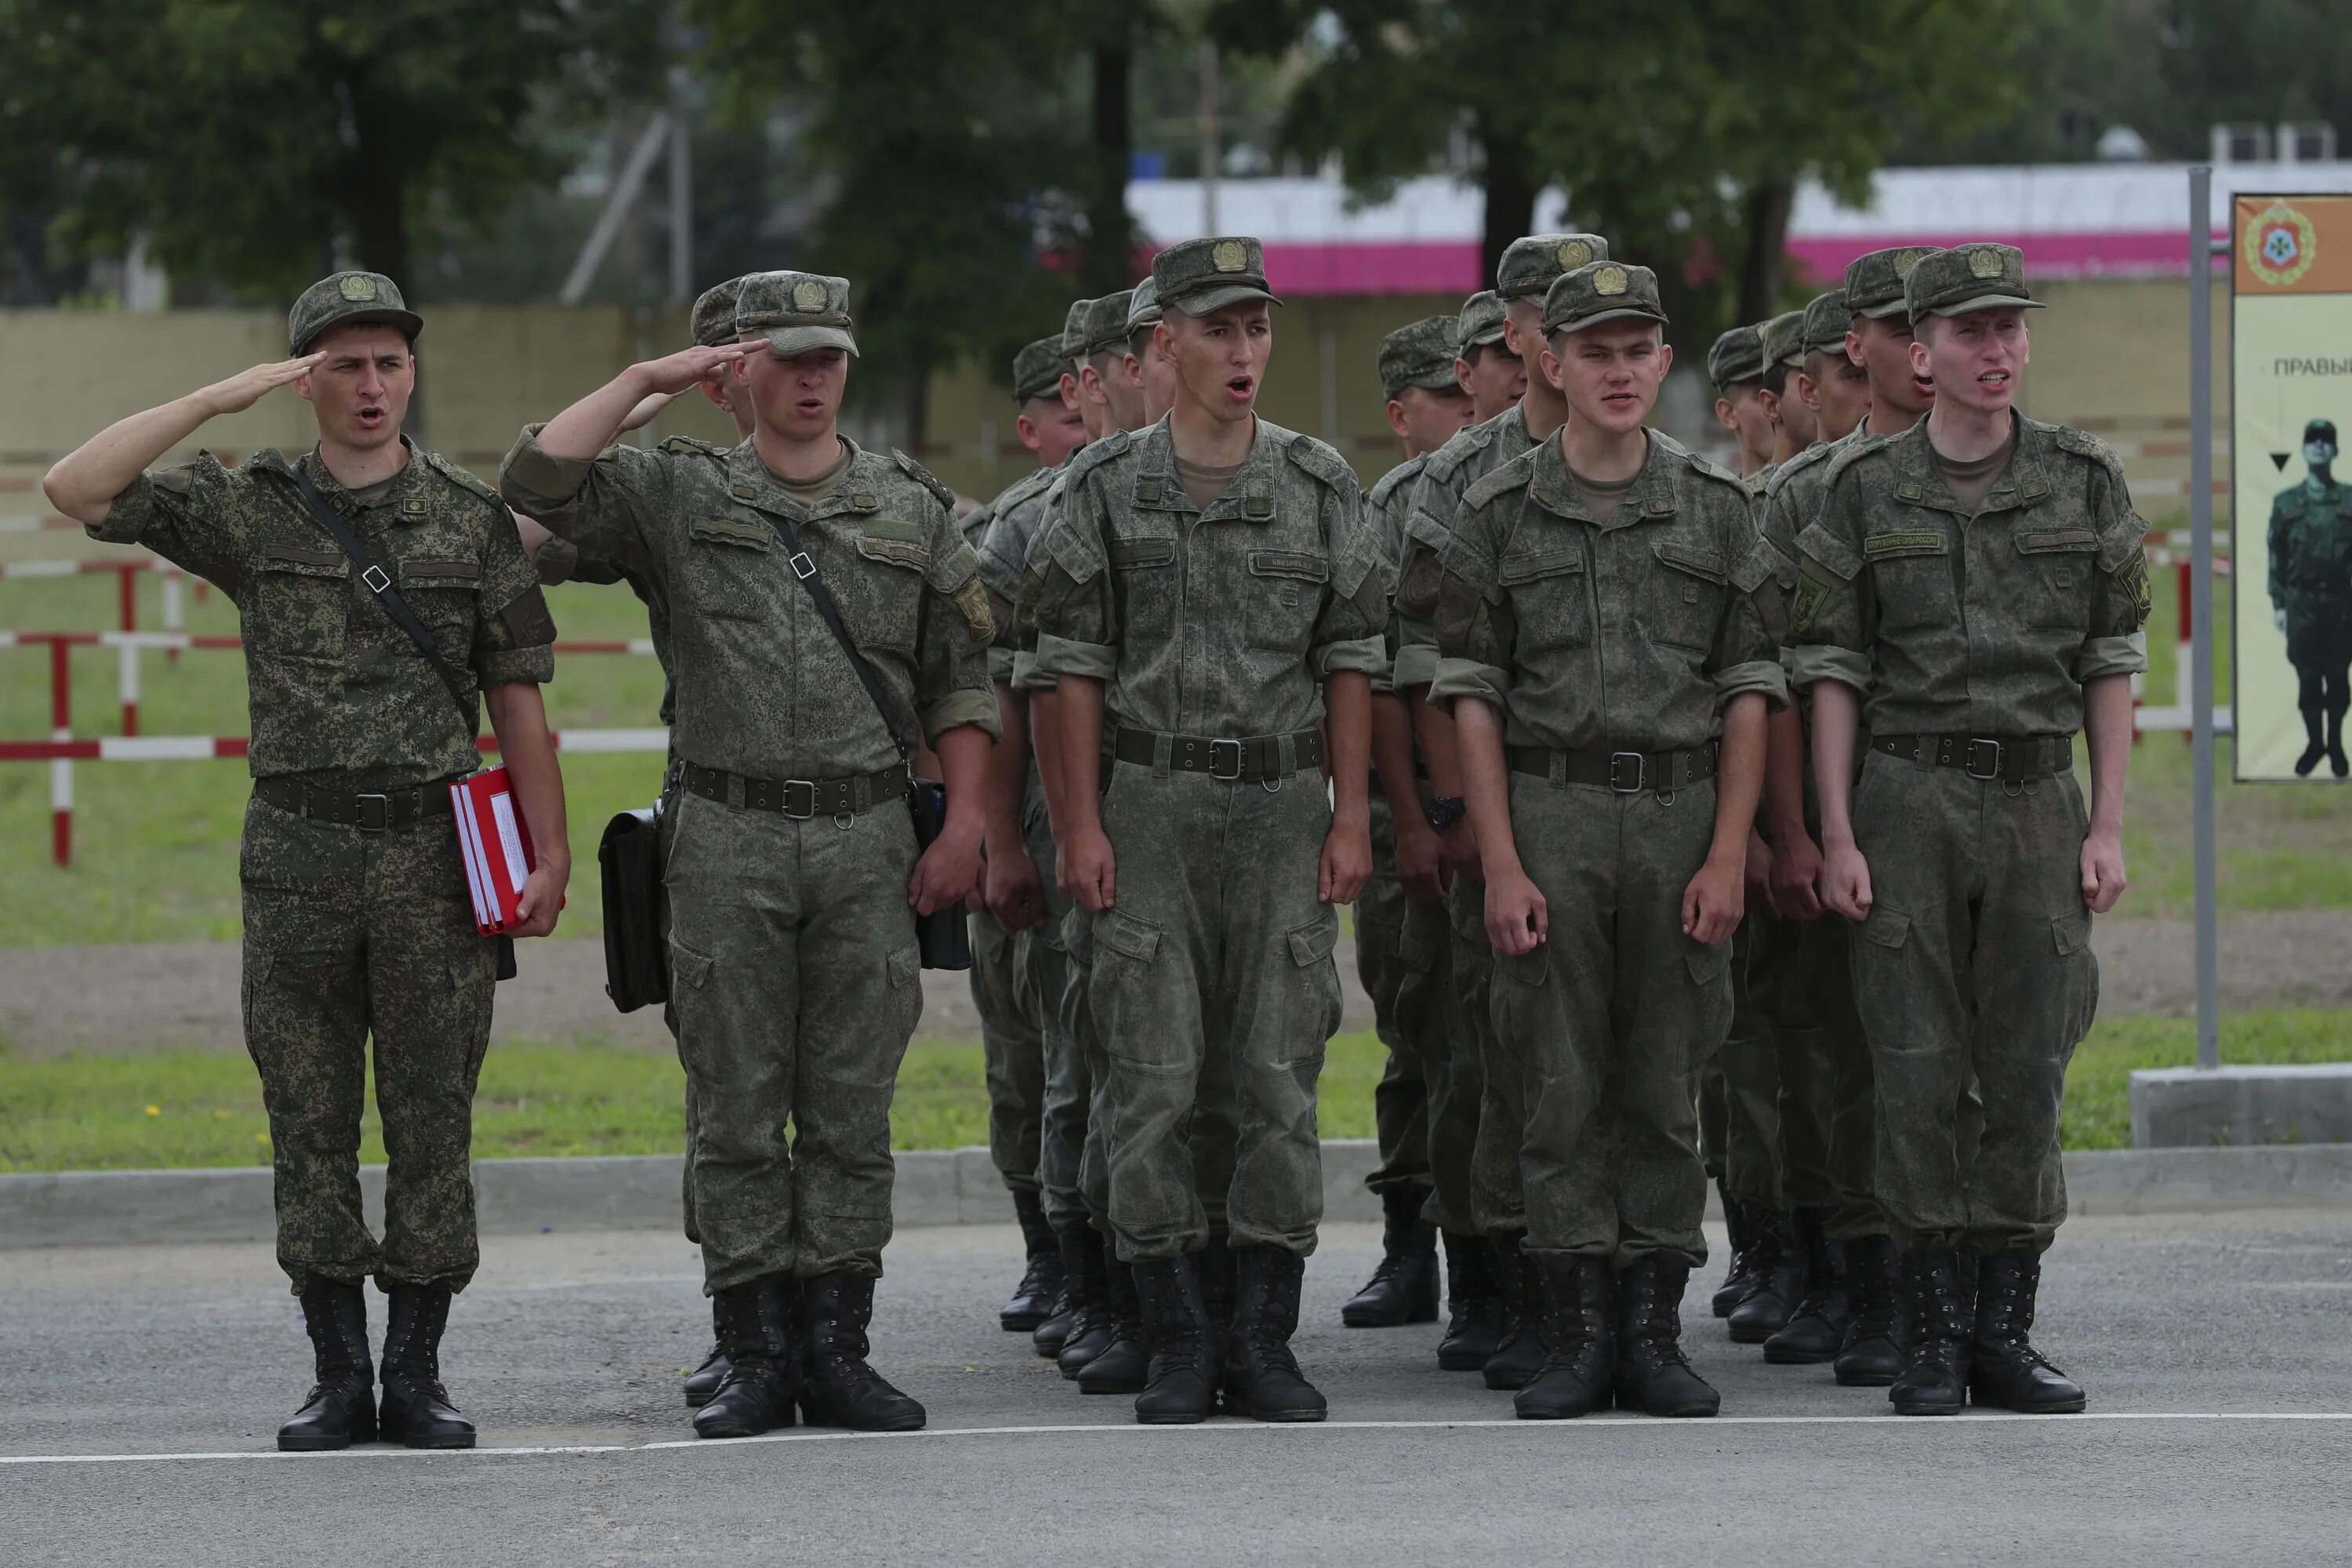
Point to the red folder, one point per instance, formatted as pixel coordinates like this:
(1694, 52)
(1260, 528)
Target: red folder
(496, 842)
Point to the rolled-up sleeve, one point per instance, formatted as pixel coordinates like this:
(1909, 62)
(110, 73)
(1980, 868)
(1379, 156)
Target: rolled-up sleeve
(2116, 637)
(1831, 616)
(1066, 592)
(1457, 677)
(1747, 653)
(953, 639)
(2112, 656)
(1351, 635)
(514, 638)
(186, 513)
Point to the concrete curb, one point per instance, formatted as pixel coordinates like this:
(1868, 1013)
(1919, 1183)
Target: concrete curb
(959, 1186)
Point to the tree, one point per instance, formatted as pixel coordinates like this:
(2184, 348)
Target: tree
(263, 139)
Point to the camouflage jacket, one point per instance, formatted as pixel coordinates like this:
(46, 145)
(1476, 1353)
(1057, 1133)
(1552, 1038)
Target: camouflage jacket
(2311, 551)
(1216, 623)
(1385, 507)
(1628, 632)
(1003, 546)
(339, 695)
(763, 688)
(1987, 626)
(1446, 475)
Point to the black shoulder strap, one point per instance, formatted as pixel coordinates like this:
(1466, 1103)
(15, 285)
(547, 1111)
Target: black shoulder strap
(379, 582)
(803, 566)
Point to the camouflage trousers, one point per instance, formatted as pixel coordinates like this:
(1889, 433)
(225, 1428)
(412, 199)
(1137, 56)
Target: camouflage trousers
(798, 982)
(1485, 1094)
(1013, 1049)
(1429, 1000)
(1400, 1099)
(1741, 1091)
(1213, 985)
(1975, 960)
(1800, 975)
(353, 939)
(1610, 1018)
(1068, 1078)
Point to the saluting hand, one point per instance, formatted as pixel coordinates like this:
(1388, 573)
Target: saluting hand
(675, 373)
(248, 387)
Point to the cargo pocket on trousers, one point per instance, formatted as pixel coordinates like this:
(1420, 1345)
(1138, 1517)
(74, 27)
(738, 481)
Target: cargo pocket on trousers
(1129, 1012)
(2078, 972)
(905, 968)
(1316, 1015)
(1880, 963)
(472, 983)
(1706, 964)
(688, 968)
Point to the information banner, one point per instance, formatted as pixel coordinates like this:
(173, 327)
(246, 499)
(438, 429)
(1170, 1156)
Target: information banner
(2291, 496)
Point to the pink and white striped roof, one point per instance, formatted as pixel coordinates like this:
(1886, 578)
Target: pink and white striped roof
(2072, 220)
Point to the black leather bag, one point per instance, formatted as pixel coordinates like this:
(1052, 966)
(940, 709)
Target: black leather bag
(636, 911)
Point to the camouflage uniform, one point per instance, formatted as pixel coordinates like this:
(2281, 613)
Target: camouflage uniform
(352, 933)
(795, 970)
(2310, 537)
(1970, 637)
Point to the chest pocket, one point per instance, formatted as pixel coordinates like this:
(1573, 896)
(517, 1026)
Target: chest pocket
(1550, 590)
(2053, 591)
(1286, 597)
(301, 604)
(1148, 586)
(443, 594)
(1911, 568)
(727, 568)
(1684, 601)
(884, 605)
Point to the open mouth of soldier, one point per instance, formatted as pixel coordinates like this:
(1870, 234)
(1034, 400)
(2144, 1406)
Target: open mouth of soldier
(1923, 387)
(1994, 378)
(1242, 388)
(370, 415)
(811, 407)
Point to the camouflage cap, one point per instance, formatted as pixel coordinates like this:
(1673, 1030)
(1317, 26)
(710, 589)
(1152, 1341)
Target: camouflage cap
(1968, 278)
(714, 314)
(1143, 307)
(1874, 283)
(345, 298)
(1738, 355)
(799, 312)
(1783, 340)
(1602, 291)
(1420, 353)
(1530, 266)
(1481, 321)
(1074, 332)
(1037, 370)
(1204, 275)
(1827, 317)
(1106, 323)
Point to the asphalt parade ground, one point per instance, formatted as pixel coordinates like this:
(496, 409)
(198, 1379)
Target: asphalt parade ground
(141, 1388)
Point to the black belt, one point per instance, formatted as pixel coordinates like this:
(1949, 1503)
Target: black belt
(2003, 758)
(1627, 773)
(392, 811)
(1246, 759)
(799, 799)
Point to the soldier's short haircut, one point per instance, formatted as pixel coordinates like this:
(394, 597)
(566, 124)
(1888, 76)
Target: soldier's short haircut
(1821, 361)
(1470, 352)
(1139, 339)
(1776, 378)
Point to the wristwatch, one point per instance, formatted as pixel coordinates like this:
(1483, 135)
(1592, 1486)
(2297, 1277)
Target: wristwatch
(1445, 811)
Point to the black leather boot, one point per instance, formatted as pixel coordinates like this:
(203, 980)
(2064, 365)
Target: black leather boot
(1092, 1321)
(1521, 1349)
(2317, 747)
(416, 1409)
(1403, 1289)
(1041, 1282)
(1935, 1376)
(1180, 1386)
(1219, 1274)
(340, 1408)
(1574, 1377)
(837, 1387)
(1873, 1353)
(2337, 762)
(2004, 1369)
(1815, 1331)
(1474, 1326)
(1772, 1254)
(1125, 1363)
(1262, 1380)
(1652, 1374)
(755, 1331)
(1050, 1336)
(704, 1381)
(1740, 1224)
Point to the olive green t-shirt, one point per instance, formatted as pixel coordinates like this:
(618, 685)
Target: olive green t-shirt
(1204, 483)
(1971, 482)
(815, 492)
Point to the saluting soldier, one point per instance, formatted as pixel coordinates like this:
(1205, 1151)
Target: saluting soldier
(1212, 589)
(792, 862)
(1976, 587)
(358, 926)
(1609, 628)
(1400, 925)
(2311, 597)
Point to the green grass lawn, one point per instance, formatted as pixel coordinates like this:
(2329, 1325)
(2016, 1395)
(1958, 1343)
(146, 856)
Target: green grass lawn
(177, 1109)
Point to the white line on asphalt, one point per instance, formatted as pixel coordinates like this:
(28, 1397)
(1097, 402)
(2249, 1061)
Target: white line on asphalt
(1589, 1424)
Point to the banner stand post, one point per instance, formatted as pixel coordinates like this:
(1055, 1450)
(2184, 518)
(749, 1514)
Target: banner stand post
(2203, 248)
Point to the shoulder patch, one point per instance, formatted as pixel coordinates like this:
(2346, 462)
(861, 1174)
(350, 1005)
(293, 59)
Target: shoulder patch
(1092, 456)
(1502, 481)
(1320, 460)
(460, 476)
(1854, 450)
(925, 478)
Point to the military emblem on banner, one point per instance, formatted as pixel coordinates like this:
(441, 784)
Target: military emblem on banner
(2281, 244)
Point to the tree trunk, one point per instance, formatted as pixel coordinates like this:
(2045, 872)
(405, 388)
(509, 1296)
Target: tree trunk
(1109, 264)
(1510, 198)
(1765, 267)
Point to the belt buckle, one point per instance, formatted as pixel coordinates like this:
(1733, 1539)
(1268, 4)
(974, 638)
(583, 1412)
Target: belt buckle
(382, 803)
(784, 806)
(1617, 760)
(1241, 756)
(1969, 759)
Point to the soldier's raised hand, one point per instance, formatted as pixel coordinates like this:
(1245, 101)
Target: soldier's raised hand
(673, 373)
(248, 387)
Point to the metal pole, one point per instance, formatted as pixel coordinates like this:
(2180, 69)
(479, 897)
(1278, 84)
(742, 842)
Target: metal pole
(2201, 251)
(1208, 126)
(617, 201)
(681, 191)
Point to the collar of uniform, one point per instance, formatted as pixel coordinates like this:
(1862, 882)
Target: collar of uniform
(752, 483)
(1919, 477)
(1249, 496)
(1555, 488)
(2027, 481)
(402, 501)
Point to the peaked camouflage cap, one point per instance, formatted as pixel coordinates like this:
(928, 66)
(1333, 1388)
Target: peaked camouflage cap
(1419, 354)
(714, 314)
(1738, 355)
(1143, 307)
(1530, 266)
(1481, 321)
(1874, 283)
(1968, 278)
(1074, 332)
(1783, 339)
(799, 312)
(1037, 370)
(1827, 316)
(1106, 323)
(1602, 291)
(343, 298)
(1204, 275)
